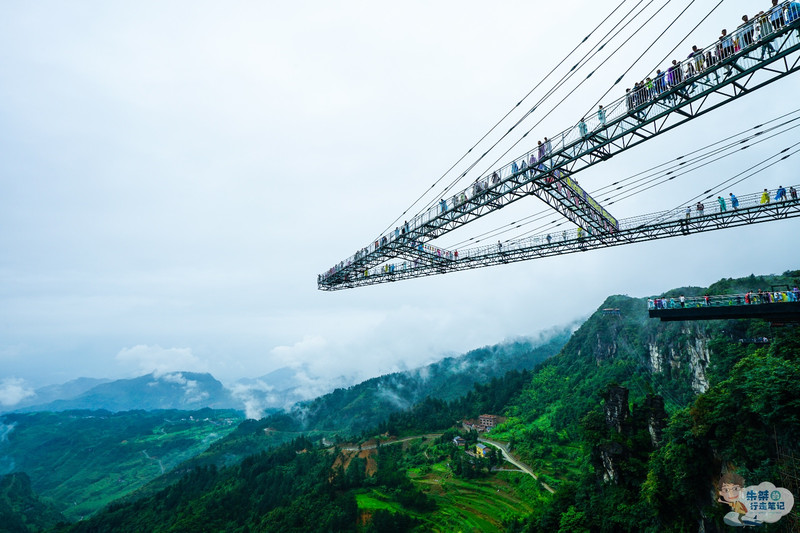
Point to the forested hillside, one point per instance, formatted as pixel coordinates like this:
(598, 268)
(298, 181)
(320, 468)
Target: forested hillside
(422, 483)
(661, 474)
(82, 460)
(21, 509)
(636, 420)
(363, 406)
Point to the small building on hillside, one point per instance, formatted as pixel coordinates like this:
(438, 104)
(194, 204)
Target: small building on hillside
(481, 450)
(469, 425)
(487, 422)
(459, 441)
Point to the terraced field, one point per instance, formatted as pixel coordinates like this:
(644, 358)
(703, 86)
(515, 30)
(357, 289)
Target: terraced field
(477, 505)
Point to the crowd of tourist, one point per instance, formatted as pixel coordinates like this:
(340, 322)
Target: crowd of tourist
(752, 32)
(748, 298)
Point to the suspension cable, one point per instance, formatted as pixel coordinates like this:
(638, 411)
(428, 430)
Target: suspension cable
(584, 80)
(683, 160)
(547, 95)
(578, 66)
(505, 116)
(665, 58)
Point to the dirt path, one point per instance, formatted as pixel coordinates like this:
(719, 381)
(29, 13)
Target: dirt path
(398, 441)
(511, 459)
(160, 464)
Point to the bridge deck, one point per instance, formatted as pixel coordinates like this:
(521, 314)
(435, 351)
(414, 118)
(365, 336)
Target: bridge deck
(782, 312)
(638, 229)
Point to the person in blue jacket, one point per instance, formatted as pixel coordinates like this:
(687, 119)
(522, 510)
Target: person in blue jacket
(792, 12)
(781, 194)
(582, 129)
(734, 201)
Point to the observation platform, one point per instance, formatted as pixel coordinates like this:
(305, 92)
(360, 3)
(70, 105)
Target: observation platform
(784, 312)
(730, 307)
(717, 75)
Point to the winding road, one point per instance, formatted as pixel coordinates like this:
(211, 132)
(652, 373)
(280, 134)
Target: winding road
(502, 447)
(404, 439)
(511, 459)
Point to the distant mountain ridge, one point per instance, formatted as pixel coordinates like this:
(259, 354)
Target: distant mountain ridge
(293, 389)
(62, 391)
(175, 390)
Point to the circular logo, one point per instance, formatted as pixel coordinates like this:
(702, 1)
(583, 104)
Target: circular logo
(775, 495)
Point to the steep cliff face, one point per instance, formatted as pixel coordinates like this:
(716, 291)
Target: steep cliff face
(616, 414)
(699, 358)
(677, 352)
(616, 408)
(668, 352)
(629, 433)
(656, 418)
(605, 350)
(611, 454)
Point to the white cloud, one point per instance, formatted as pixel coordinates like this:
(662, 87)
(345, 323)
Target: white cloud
(192, 392)
(176, 377)
(294, 355)
(191, 388)
(254, 396)
(5, 431)
(144, 359)
(13, 391)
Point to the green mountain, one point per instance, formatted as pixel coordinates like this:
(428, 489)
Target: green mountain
(84, 459)
(354, 409)
(347, 412)
(21, 510)
(643, 417)
(630, 425)
(81, 460)
(176, 390)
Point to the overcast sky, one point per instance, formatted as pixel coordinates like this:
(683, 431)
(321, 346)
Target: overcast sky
(174, 175)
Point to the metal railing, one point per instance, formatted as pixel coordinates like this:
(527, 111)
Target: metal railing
(724, 300)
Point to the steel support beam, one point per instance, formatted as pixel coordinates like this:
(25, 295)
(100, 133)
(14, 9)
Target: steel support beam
(631, 231)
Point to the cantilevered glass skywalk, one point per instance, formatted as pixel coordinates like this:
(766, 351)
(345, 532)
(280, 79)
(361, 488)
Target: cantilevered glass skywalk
(674, 223)
(757, 54)
(779, 307)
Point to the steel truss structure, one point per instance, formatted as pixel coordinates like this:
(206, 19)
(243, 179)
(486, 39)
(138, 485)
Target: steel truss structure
(625, 124)
(538, 247)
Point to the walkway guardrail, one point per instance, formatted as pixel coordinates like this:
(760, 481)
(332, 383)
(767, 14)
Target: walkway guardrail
(724, 300)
